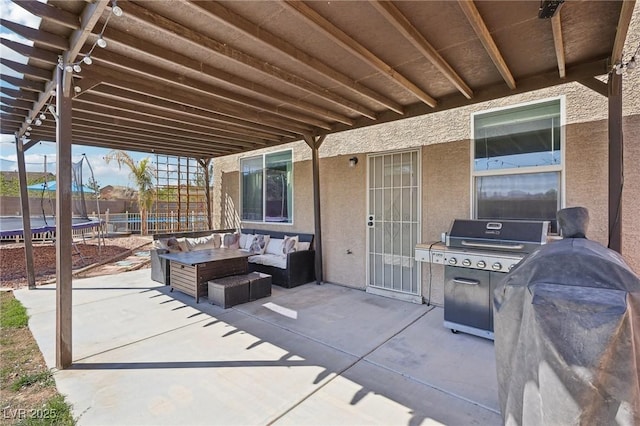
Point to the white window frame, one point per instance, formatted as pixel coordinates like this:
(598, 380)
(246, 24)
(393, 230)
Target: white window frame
(264, 188)
(522, 170)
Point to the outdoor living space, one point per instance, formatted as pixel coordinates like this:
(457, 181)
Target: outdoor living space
(314, 354)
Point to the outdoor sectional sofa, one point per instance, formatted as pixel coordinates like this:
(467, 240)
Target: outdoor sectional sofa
(290, 269)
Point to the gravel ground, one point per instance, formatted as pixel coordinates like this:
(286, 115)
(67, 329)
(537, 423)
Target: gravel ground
(12, 258)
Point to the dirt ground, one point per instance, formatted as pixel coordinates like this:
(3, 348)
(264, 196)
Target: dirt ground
(89, 259)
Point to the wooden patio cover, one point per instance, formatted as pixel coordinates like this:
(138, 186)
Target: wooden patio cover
(206, 79)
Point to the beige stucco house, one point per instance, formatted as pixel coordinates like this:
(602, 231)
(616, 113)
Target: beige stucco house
(421, 173)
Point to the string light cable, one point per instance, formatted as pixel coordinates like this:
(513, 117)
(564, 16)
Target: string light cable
(74, 67)
(628, 66)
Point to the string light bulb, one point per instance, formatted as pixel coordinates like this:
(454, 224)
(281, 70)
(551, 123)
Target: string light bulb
(77, 89)
(87, 60)
(27, 134)
(68, 68)
(101, 42)
(38, 122)
(77, 68)
(29, 121)
(117, 10)
(632, 63)
(29, 128)
(42, 116)
(619, 69)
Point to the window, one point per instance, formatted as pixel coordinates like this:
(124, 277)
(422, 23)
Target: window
(517, 162)
(267, 187)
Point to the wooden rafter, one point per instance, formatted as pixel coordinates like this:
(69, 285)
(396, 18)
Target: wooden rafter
(49, 13)
(395, 17)
(40, 37)
(222, 14)
(23, 83)
(481, 30)
(131, 87)
(187, 84)
(348, 43)
(30, 51)
(17, 103)
(187, 115)
(622, 29)
(172, 28)
(174, 59)
(27, 70)
(558, 44)
(176, 123)
(595, 85)
(88, 19)
(19, 94)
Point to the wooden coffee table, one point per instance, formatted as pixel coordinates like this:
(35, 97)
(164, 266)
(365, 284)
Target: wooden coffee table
(190, 271)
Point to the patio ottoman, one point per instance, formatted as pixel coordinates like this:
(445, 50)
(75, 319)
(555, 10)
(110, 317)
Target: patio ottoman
(229, 291)
(259, 285)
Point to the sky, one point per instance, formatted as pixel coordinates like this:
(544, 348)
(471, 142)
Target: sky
(105, 174)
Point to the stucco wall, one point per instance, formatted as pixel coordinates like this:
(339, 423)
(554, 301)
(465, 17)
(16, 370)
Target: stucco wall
(343, 202)
(446, 178)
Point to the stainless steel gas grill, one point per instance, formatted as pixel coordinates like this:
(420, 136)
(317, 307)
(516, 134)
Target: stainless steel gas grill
(477, 254)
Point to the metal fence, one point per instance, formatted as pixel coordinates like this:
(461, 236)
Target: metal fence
(130, 223)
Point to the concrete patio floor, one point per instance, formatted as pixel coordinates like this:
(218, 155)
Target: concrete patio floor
(324, 355)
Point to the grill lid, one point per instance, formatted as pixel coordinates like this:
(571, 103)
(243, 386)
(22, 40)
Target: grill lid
(505, 235)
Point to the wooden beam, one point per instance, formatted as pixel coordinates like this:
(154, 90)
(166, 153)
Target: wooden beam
(616, 162)
(175, 59)
(481, 30)
(163, 120)
(314, 143)
(40, 37)
(348, 43)
(88, 19)
(173, 29)
(186, 84)
(27, 70)
(31, 51)
(19, 94)
(64, 236)
(623, 27)
(26, 215)
(16, 103)
(258, 33)
(558, 44)
(400, 22)
(137, 126)
(184, 115)
(22, 83)
(140, 91)
(50, 13)
(595, 85)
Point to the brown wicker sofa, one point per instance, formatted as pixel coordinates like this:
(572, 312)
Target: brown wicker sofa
(160, 271)
(299, 267)
(289, 270)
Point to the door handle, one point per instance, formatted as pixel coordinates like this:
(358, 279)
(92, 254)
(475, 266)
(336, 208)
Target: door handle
(466, 281)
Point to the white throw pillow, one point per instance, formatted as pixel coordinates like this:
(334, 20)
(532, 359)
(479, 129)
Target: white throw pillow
(259, 244)
(248, 240)
(290, 244)
(274, 246)
(303, 246)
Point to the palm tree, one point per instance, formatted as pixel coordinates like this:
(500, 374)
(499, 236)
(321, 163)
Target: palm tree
(142, 174)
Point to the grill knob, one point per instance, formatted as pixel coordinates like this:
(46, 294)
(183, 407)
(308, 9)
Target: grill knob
(497, 266)
(466, 262)
(481, 264)
(453, 261)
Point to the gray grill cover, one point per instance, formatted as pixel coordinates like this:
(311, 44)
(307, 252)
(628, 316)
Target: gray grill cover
(567, 338)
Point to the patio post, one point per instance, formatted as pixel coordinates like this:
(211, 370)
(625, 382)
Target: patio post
(616, 157)
(26, 213)
(63, 223)
(314, 143)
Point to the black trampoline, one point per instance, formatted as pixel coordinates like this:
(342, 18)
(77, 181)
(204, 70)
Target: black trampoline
(11, 226)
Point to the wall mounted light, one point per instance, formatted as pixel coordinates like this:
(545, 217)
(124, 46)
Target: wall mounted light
(353, 161)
